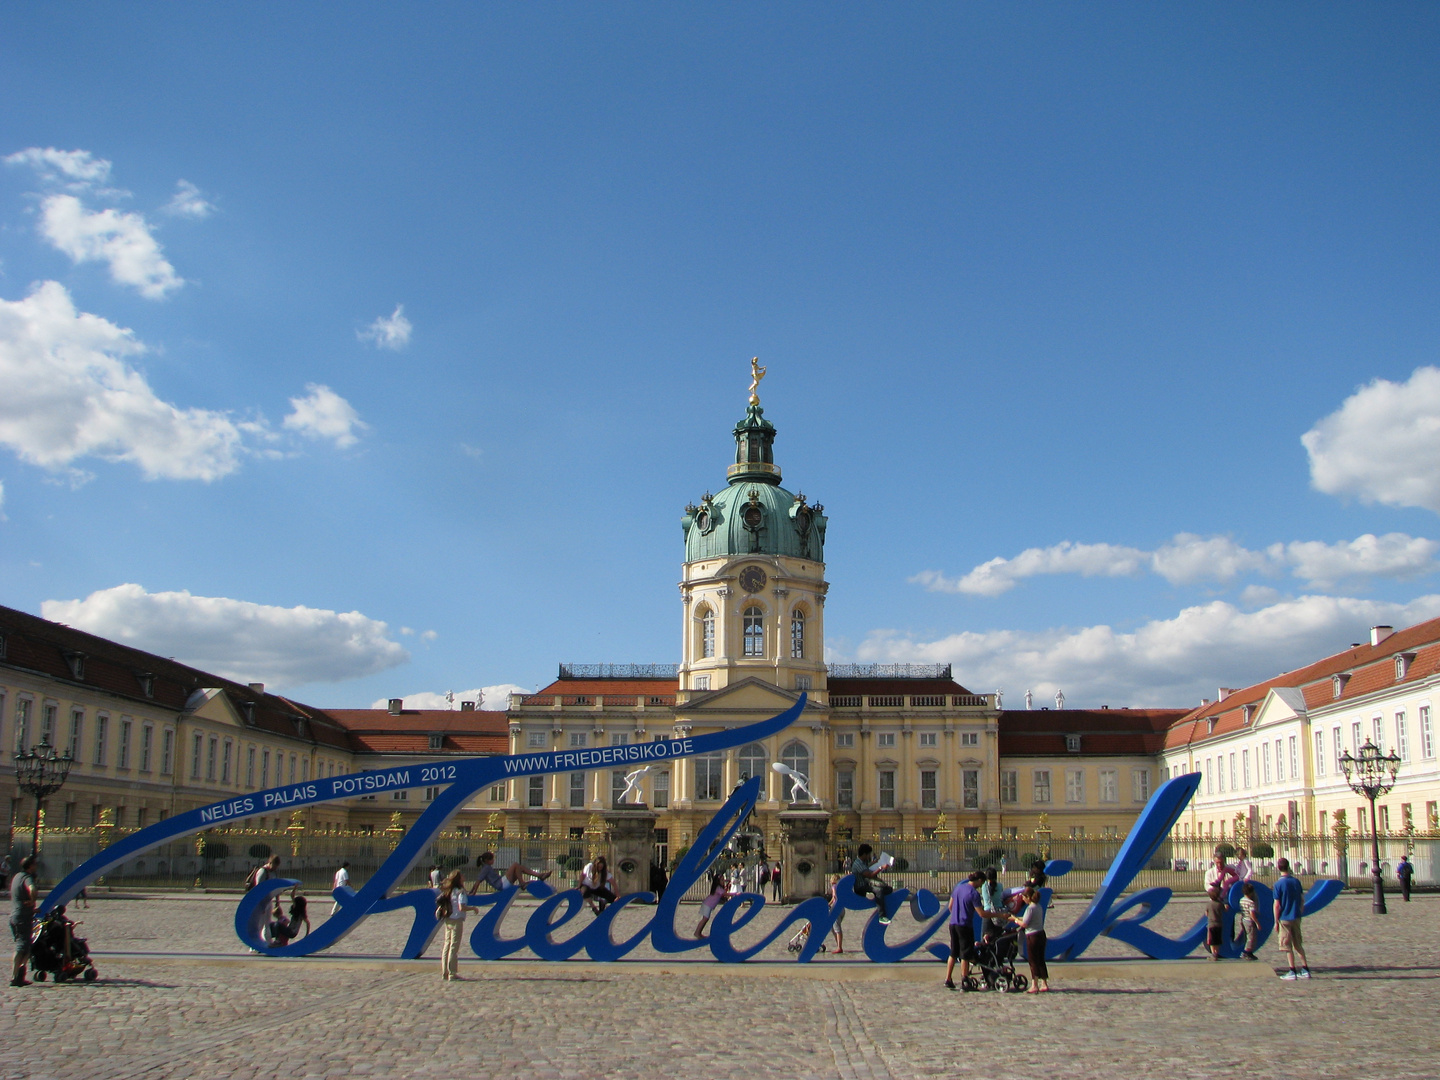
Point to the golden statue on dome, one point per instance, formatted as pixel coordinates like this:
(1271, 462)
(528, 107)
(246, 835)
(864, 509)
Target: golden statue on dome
(756, 374)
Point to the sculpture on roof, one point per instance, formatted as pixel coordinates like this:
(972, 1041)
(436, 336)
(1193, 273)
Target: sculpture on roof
(1029, 699)
(756, 374)
(1059, 699)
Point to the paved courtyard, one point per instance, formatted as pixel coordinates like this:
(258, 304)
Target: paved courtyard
(197, 1006)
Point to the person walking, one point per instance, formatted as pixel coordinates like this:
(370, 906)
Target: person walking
(450, 908)
(964, 904)
(775, 881)
(1289, 910)
(434, 876)
(1249, 919)
(22, 918)
(838, 926)
(341, 881)
(992, 905)
(1405, 870)
(1031, 922)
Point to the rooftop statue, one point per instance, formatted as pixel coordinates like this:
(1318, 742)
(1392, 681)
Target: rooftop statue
(756, 374)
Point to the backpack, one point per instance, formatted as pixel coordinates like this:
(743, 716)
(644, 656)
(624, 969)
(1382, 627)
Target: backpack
(252, 880)
(442, 907)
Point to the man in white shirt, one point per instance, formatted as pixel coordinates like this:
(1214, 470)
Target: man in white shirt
(342, 880)
(1220, 873)
(1243, 870)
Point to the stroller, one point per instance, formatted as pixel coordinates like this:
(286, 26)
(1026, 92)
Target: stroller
(55, 950)
(796, 943)
(997, 964)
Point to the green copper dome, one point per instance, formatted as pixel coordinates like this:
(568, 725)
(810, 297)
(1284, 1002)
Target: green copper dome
(754, 515)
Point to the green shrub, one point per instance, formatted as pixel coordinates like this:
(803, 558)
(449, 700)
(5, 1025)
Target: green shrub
(1227, 850)
(1261, 850)
(574, 864)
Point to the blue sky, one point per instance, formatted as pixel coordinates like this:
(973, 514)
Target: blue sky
(374, 351)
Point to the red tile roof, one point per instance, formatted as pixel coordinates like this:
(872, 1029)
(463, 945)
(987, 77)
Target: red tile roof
(1041, 732)
(462, 731)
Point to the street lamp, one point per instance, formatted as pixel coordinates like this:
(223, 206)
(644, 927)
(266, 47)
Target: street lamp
(1372, 774)
(41, 772)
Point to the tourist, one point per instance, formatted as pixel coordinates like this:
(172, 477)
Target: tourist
(1405, 870)
(1035, 877)
(719, 893)
(1249, 919)
(1214, 921)
(868, 883)
(964, 904)
(775, 881)
(992, 905)
(1219, 873)
(434, 877)
(659, 879)
(1032, 923)
(450, 908)
(517, 875)
(597, 884)
(6, 868)
(285, 929)
(838, 926)
(341, 881)
(22, 917)
(1289, 910)
(268, 869)
(1243, 870)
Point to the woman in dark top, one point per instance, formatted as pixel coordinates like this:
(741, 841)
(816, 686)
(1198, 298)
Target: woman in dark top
(284, 930)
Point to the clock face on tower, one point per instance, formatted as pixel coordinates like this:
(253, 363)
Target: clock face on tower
(752, 579)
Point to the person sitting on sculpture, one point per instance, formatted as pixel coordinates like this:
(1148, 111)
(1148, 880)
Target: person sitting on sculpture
(285, 929)
(597, 884)
(868, 883)
(513, 878)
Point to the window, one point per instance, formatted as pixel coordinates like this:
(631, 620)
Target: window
(887, 789)
(1233, 785)
(1265, 762)
(707, 633)
(22, 725)
(535, 740)
(1427, 737)
(291, 780)
(1041, 785)
(401, 796)
(927, 789)
(211, 752)
(225, 762)
(147, 746)
(930, 739)
(265, 768)
(885, 740)
(1009, 785)
(1072, 744)
(1110, 832)
(497, 792)
(1140, 785)
(250, 767)
(578, 738)
(437, 742)
(47, 724)
(660, 790)
(1378, 728)
(617, 785)
(167, 752)
(1220, 773)
(1279, 762)
(1294, 758)
(845, 740)
(1401, 665)
(1355, 737)
(304, 769)
(77, 723)
(1077, 832)
(702, 682)
(431, 793)
(753, 622)
(577, 791)
(970, 789)
(1336, 750)
(1402, 737)
(708, 769)
(969, 738)
(123, 761)
(1319, 753)
(802, 682)
(1074, 785)
(1245, 767)
(797, 635)
(619, 740)
(845, 789)
(752, 760)
(1384, 812)
(1109, 785)
(796, 755)
(537, 792)
(1209, 776)
(102, 722)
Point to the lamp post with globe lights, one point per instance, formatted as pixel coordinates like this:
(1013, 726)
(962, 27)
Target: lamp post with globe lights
(1372, 774)
(41, 773)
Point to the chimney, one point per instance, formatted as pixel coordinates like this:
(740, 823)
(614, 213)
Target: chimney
(258, 687)
(467, 706)
(1204, 701)
(1226, 691)
(1380, 633)
(396, 704)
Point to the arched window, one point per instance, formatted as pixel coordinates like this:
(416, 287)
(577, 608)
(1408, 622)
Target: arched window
(797, 634)
(708, 770)
(797, 755)
(707, 632)
(754, 626)
(752, 760)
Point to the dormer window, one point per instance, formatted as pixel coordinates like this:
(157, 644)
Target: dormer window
(76, 661)
(1249, 714)
(1337, 684)
(147, 683)
(1072, 744)
(1402, 665)
(1210, 725)
(437, 742)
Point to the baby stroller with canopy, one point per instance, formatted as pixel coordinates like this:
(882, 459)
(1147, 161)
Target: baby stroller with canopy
(55, 950)
(997, 964)
(797, 942)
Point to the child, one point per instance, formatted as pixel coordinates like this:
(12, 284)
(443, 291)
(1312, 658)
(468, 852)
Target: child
(1215, 920)
(719, 891)
(1249, 921)
(839, 928)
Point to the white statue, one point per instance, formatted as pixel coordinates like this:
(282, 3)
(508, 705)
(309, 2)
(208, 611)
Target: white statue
(1059, 699)
(798, 781)
(632, 785)
(999, 698)
(1029, 699)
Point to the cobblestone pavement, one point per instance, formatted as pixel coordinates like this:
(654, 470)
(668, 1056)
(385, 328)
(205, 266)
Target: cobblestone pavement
(229, 1015)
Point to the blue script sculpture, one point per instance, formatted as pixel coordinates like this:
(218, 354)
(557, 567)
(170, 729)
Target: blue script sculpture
(1123, 921)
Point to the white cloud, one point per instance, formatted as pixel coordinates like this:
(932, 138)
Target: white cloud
(1258, 595)
(392, 332)
(67, 391)
(495, 697)
(1000, 575)
(429, 635)
(1394, 555)
(76, 170)
(247, 642)
(1189, 558)
(324, 414)
(1166, 662)
(1382, 444)
(188, 202)
(122, 240)
(2, 501)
